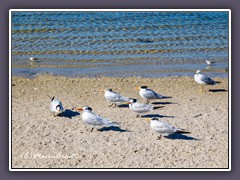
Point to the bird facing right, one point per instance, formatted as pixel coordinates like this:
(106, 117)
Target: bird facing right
(164, 128)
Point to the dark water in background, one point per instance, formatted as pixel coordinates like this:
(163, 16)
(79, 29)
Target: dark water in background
(149, 44)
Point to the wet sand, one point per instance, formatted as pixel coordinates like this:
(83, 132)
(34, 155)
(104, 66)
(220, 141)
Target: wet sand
(40, 140)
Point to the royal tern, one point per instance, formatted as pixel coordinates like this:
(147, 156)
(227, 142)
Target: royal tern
(203, 79)
(209, 62)
(140, 108)
(93, 119)
(114, 97)
(148, 93)
(164, 128)
(56, 106)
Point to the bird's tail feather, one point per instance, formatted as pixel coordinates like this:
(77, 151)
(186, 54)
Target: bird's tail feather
(166, 97)
(157, 107)
(125, 99)
(182, 131)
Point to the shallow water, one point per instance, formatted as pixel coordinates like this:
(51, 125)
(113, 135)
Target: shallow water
(149, 44)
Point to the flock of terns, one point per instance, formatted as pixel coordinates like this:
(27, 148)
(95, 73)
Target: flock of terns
(96, 121)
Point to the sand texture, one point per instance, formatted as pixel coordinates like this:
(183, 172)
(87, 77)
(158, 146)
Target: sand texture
(40, 140)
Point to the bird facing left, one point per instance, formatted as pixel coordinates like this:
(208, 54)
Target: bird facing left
(114, 97)
(94, 120)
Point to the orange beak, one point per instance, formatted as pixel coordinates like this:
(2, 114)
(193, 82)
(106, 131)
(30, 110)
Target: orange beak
(137, 88)
(129, 103)
(79, 109)
(148, 119)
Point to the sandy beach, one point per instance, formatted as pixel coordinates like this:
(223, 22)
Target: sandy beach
(40, 140)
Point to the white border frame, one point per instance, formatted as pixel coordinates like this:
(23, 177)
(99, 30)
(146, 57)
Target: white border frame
(118, 10)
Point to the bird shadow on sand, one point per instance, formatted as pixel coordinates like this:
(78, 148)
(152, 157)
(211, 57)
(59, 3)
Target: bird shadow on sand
(163, 103)
(156, 115)
(69, 113)
(180, 136)
(113, 128)
(218, 90)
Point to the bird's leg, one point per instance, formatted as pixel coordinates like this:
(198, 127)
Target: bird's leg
(111, 105)
(202, 88)
(159, 137)
(115, 105)
(92, 129)
(137, 116)
(147, 102)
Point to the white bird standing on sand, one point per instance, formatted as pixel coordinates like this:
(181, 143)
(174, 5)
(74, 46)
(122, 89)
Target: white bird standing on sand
(114, 97)
(140, 108)
(164, 128)
(209, 62)
(56, 106)
(93, 119)
(149, 94)
(203, 79)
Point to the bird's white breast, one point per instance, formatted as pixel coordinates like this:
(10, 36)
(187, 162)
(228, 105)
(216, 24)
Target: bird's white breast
(142, 93)
(198, 79)
(54, 104)
(110, 96)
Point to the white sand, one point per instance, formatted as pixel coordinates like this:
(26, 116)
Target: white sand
(40, 140)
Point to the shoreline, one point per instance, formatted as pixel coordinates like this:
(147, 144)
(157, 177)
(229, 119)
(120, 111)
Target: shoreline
(40, 140)
(125, 71)
(190, 75)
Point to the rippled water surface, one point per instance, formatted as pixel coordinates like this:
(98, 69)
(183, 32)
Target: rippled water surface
(150, 44)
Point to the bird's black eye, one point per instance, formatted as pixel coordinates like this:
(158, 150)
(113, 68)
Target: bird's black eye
(134, 100)
(143, 87)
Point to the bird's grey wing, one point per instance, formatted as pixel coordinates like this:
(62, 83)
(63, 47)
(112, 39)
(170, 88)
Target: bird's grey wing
(119, 98)
(60, 104)
(95, 119)
(142, 107)
(114, 97)
(207, 80)
(164, 128)
(149, 94)
(123, 98)
(104, 121)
